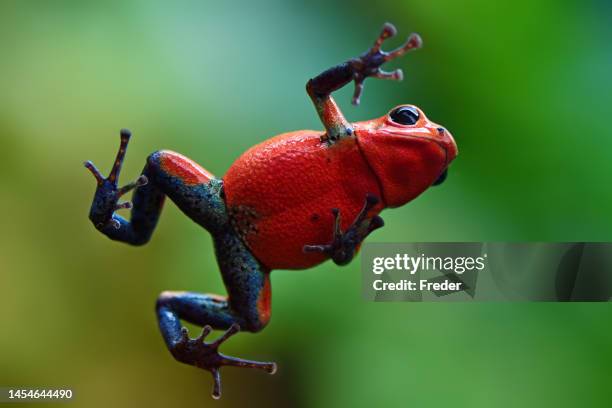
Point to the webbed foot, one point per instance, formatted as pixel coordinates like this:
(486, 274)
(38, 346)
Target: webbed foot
(344, 245)
(106, 199)
(205, 355)
(368, 64)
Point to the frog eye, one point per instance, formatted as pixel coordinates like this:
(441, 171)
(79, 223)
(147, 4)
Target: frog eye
(405, 115)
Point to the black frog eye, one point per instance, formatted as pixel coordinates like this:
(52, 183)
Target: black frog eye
(405, 115)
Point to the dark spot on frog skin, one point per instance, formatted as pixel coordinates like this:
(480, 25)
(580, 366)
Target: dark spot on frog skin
(315, 217)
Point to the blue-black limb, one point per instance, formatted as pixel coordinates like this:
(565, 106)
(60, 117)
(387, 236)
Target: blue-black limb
(345, 244)
(247, 306)
(356, 69)
(247, 281)
(106, 199)
(202, 202)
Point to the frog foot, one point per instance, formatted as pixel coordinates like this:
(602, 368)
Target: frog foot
(198, 353)
(106, 199)
(368, 64)
(344, 244)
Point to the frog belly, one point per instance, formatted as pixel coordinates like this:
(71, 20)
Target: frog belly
(280, 194)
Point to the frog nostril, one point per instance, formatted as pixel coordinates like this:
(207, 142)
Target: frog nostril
(441, 131)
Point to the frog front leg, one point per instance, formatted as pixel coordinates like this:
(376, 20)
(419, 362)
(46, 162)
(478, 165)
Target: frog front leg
(200, 196)
(356, 69)
(344, 244)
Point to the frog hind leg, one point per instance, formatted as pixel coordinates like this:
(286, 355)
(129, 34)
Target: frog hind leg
(345, 244)
(247, 307)
(194, 190)
(200, 196)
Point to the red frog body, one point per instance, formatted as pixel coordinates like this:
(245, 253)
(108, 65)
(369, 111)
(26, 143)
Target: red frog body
(279, 192)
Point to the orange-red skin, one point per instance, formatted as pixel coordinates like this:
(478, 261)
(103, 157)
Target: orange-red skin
(406, 159)
(280, 192)
(183, 168)
(291, 182)
(264, 302)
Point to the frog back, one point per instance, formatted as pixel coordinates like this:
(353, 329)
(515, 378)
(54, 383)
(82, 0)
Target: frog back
(280, 193)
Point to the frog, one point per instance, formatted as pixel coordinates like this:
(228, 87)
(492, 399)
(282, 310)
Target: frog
(291, 202)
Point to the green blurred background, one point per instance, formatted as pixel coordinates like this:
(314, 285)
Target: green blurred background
(523, 86)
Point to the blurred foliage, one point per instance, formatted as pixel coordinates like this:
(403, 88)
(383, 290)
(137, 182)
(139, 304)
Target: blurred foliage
(523, 86)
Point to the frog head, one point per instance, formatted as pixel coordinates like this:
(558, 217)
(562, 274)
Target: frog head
(407, 152)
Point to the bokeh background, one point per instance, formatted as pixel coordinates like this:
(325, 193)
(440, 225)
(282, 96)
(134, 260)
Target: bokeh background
(524, 87)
